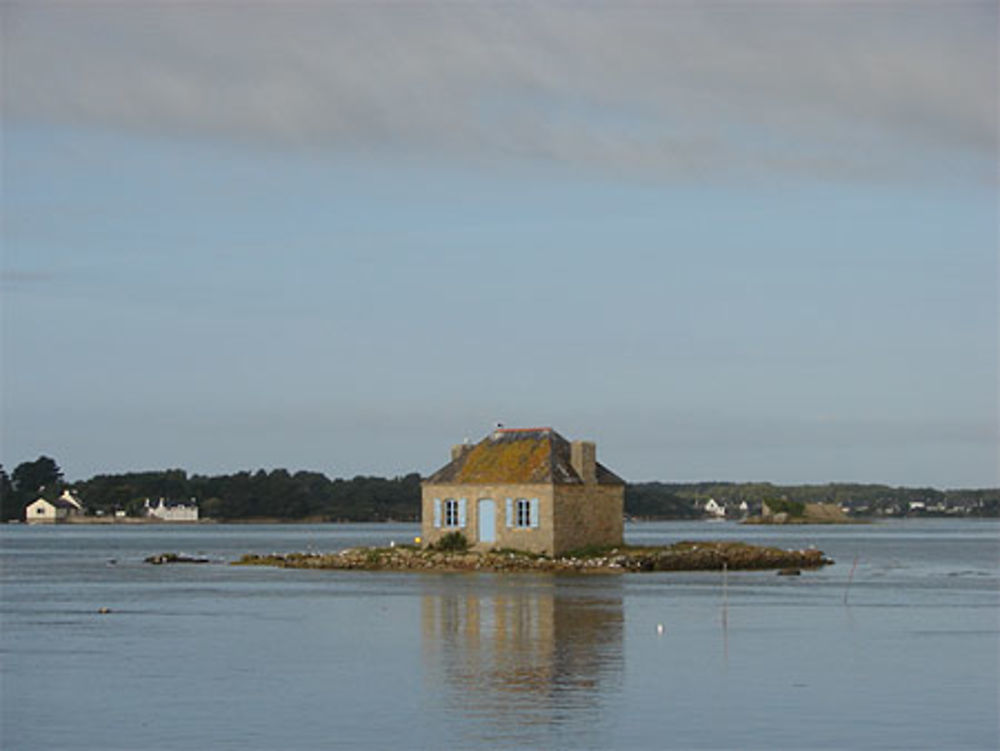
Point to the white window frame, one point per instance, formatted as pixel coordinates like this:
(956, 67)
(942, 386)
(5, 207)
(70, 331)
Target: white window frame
(451, 512)
(522, 513)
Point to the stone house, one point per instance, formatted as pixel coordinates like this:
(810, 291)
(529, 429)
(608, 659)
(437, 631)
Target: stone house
(525, 489)
(44, 511)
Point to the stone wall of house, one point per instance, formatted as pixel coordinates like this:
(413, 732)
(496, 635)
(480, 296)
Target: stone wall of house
(538, 540)
(588, 515)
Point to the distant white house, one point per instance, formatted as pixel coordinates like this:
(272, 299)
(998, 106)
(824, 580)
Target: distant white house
(43, 511)
(172, 511)
(72, 500)
(714, 509)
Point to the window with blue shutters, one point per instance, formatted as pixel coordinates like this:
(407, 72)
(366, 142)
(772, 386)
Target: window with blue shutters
(522, 513)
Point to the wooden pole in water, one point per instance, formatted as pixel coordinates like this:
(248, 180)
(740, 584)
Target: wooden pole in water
(850, 577)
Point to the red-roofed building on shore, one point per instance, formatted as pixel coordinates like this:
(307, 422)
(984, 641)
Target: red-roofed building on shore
(526, 489)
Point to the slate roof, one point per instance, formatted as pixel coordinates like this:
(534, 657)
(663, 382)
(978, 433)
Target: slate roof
(170, 503)
(59, 503)
(71, 499)
(525, 456)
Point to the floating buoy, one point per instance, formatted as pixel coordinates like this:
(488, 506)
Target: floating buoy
(659, 629)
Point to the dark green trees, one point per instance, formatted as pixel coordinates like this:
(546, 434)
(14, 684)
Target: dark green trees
(27, 482)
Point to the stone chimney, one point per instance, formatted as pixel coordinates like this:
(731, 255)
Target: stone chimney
(583, 458)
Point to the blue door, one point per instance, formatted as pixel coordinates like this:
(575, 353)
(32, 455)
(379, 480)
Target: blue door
(487, 520)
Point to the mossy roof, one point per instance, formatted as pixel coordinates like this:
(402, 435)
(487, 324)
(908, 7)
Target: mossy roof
(518, 456)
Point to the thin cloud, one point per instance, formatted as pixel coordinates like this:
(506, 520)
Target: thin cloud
(15, 279)
(671, 88)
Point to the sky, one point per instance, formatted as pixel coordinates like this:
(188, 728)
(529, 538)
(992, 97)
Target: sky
(748, 241)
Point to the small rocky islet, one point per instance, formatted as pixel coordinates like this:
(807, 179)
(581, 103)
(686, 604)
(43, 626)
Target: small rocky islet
(163, 558)
(681, 556)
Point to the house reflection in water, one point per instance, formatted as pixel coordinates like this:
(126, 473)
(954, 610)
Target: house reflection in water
(518, 649)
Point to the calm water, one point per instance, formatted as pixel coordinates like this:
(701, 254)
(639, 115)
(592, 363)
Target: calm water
(220, 657)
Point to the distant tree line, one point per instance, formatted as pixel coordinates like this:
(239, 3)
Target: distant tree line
(279, 494)
(29, 481)
(676, 500)
(657, 500)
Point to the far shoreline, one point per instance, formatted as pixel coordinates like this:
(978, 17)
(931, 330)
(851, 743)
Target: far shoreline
(279, 521)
